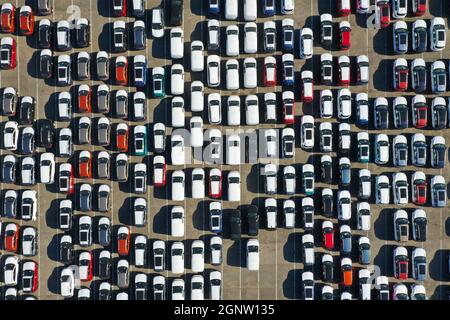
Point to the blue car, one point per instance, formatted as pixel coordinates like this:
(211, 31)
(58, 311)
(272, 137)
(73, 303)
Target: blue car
(215, 217)
(288, 69)
(214, 6)
(287, 25)
(140, 71)
(269, 8)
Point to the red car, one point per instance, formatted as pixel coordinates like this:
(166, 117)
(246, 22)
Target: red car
(419, 111)
(123, 241)
(347, 272)
(400, 73)
(26, 21)
(85, 266)
(159, 171)
(270, 72)
(122, 137)
(344, 7)
(8, 53)
(288, 107)
(122, 71)
(84, 98)
(419, 184)
(215, 183)
(85, 164)
(384, 13)
(345, 31)
(401, 262)
(30, 276)
(307, 86)
(328, 235)
(419, 7)
(119, 8)
(8, 14)
(11, 240)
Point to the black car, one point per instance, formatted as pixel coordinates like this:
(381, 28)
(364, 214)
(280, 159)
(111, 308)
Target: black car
(82, 33)
(176, 13)
(327, 204)
(252, 220)
(139, 35)
(46, 64)
(327, 270)
(9, 169)
(27, 110)
(44, 34)
(420, 39)
(140, 291)
(420, 229)
(46, 133)
(326, 33)
(419, 78)
(326, 170)
(235, 225)
(381, 116)
(65, 218)
(326, 72)
(66, 253)
(439, 114)
(104, 264)
(400, 116)
(104, 294)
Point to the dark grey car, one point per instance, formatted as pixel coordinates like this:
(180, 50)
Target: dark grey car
(103, 99)
(9, 101)
(103, 164)
(103, 131)
(9, 169)
(122, 167)
(139, 35)
(85, 197)
(27, 143)
(103, 198)
(104, 231)
(10, 204)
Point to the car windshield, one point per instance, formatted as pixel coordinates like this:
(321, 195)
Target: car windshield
(139, 73)
(158, 85)
(118, 37)
(403, 267)
(4, 55)
(440, 35)
(364, 151)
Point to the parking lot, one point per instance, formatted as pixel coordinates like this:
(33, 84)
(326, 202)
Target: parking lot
(279, 275)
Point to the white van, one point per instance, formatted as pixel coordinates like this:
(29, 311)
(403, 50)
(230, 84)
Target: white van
(250, 10)
(231, 9)
(232, 36)
(253, 254)
(213, 72)
(250, 37)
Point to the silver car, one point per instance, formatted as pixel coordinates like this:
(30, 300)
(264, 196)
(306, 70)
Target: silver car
(29, 241)
(104, 198)
(84, 130)
(103, 131)
(103, 98)
(121, 103)
(102, 62)
(83, 63)
(122, 167)
(123, 274)
(103, 163)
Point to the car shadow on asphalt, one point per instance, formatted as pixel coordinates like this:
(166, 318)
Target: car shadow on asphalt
(292, 247)
(292, 283)
(125, 211)
(236, 254)
(384, 259)
(383, 224)
(438, 265)
(200, 217)
(54, 280)
(161, 220)
(53, 247)
(382, 79)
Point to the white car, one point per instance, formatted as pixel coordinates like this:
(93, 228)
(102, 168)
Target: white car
(250, 73)
(11, 135)
(270, 136)
(197, 287)
(307, 132)
(306, 43)
(381, 149)
(47, 168)
(29, 205)
(382, 193)
(177, 79)
(399, 8)
(400, 188)
(326, 136)
(11, 270)
(214, 108)
(289, 214)
(84, 259)
(363, 216)
(177, 221)
(178, 112)
(269, 35)
(308, 213)
(344, 205)
(213, 71)
(197, 58)
(251, 110)
(215, 145)
(344, 137)
(438, 192)
(232, 42)
(363, 69)
(250, 38)
(362, 6)
(326, 104)
(176, 43)
(158, 22)
(344, 70)
(232, 74)
(30, 241)
(233, 110)
(178, 180)
(159, 137)
(139, 105)
(308, 285)
(67, 283)
(140, 178)
(365, 286)
(197, 96)
(438, 77)
(65, 104)
(308, 249)
(344, 103)
(198, 183)
(216, 250)
(178, 150)
(233, 152)
(287, 6)
(253, 254)
(213, 34)
(198, 256)
(365, 189)
(234, 186)
(231, 9)
(270, 205)
(418, 292)
(250, 10)
(177, 257)
(196, 126)
(270, 103)
(215, 281)
(437, 34)
(400, 112)
(140, 211)
(307, 86)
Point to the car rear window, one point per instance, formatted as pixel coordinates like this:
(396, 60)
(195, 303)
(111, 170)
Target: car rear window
(4, 55)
